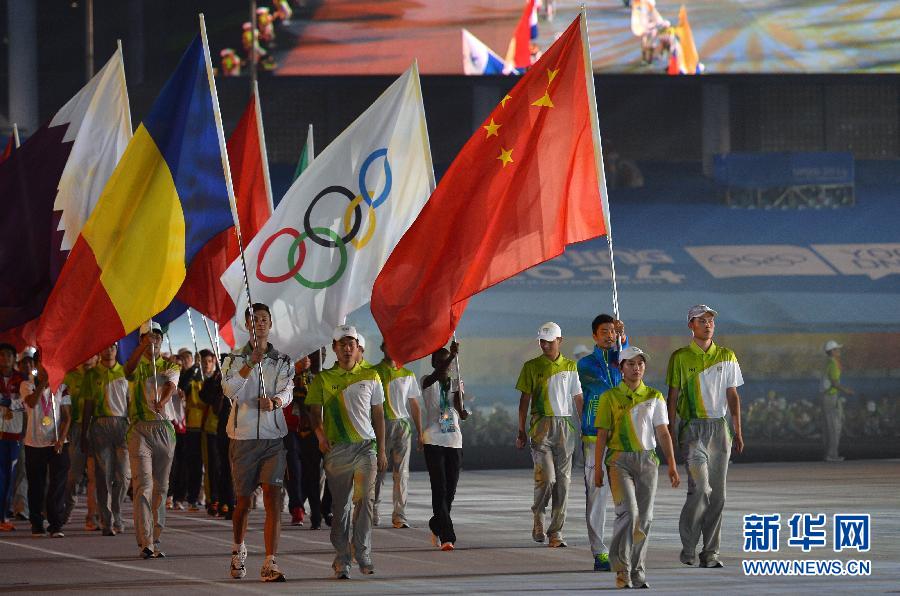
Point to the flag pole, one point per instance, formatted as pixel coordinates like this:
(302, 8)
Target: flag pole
(598, 155)
(253, 40)
(193, 333)
(229, 186)
(262, 145)
(153, 361)
(124, 85)
(214, 344)
(16, 135)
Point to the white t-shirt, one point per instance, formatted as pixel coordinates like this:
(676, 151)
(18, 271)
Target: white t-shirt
(37, 434)
(438, 406)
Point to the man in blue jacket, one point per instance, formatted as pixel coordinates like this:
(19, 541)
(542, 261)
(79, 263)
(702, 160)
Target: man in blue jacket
(598, 372)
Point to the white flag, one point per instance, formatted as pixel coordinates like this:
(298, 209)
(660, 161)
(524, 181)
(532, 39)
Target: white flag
(316, 259)
(99, 128)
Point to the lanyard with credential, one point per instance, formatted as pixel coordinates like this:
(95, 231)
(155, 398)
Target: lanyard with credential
(609, 382)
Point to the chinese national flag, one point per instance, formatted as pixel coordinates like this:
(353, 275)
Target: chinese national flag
(523, 187)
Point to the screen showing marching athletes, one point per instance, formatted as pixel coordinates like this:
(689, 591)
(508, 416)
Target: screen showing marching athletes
(352, 37)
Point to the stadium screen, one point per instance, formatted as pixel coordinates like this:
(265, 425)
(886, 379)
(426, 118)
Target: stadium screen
(453, 37)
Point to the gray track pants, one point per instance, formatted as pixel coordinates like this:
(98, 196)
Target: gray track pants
(351, 469)
(706, 447)
(113, 471)
(595, 505)
(78, 463)
(151, 447)
(632, 480)
(397, 437)
(834, 420)
(552, 444)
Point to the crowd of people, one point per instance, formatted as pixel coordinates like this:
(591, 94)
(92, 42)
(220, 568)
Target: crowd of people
(175, 432)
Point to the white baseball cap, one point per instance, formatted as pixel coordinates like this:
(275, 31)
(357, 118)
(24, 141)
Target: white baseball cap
(549, 331)
(831, 345)
(342, 331)
(698, 310)
(149, 326)
(581, 351)
(632, 352)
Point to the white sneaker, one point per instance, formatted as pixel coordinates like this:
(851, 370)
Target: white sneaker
(238, 558)
(271, 573)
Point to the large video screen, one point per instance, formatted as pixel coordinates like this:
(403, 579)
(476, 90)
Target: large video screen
(349, 37)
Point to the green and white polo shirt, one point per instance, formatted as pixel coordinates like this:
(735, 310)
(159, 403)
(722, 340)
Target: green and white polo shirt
(552, 384)
(702, 379)
(108, 389)
(833, 376)
(399, 385)
(347, 397)
(631, 417)
(71, 386)
(143, 390)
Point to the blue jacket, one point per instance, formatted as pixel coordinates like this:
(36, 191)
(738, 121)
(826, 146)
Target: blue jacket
(598, 372)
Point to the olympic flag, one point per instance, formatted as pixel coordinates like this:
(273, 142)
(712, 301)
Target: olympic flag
(316, 259)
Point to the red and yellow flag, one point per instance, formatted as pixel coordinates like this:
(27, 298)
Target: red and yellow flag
(524, 186)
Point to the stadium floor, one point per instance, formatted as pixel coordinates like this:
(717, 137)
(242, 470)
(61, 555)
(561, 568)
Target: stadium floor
(495, 553)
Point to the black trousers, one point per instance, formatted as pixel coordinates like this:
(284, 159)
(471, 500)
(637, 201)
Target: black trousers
(443, 465)
(212, 466)
(226, 488)
(178, 472)
(311, 475)
(293, 473)
(193, 461)
(38, 462)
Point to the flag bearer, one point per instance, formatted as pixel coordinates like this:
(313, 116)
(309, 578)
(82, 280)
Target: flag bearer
(151, 437)
(256, 427)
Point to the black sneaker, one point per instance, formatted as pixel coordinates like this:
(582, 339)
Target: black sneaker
(146, 553)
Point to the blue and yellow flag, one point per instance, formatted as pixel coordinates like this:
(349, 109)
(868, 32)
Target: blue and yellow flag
(165, 200)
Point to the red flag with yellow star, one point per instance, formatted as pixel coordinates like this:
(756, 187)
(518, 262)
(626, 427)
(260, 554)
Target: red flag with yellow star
(523, 187)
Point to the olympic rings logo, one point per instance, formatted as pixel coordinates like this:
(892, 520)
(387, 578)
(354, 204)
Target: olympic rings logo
(326, 237)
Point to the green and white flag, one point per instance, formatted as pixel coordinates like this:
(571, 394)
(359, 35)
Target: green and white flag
(316, 259)
(307, 155)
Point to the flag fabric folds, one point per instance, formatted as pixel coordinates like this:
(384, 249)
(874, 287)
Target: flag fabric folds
(316, 259)
(691, 59)
(478, 59)
(7, 151)
(49, 186)
(518, 53)
(165, 200)
(306, 155)
(525, 185)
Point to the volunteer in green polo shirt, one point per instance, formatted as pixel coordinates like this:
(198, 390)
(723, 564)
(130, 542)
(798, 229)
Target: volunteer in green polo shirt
(106, 425)
(549, 385)
(831, 402)
(631, 418)
(80, 460)
(703, 379)
(401, 411)
(152, 381)
(348, 418)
